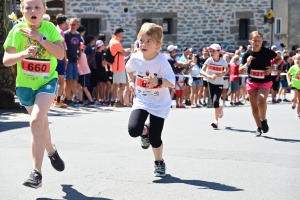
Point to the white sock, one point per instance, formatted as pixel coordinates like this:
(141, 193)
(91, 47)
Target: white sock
(116, 100)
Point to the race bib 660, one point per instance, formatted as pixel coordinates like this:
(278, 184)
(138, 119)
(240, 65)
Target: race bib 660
(36, 67)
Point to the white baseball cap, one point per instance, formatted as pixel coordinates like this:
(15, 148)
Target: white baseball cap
(171, 48)
(215, 47)
(99, 43)
(273, 47)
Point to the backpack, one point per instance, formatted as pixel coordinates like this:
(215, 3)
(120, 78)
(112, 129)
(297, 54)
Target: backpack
(92, 62)
(109, 57)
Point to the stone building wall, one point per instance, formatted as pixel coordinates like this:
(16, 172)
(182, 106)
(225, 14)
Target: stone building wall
(194, 23)
(293, 23)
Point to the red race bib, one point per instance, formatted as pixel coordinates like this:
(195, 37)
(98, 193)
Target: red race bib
(297, 77)
(260, 74)
(216, 69)
(144, 84)
(36, 67)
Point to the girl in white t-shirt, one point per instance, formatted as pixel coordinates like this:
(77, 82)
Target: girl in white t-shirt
(154, 76)
(214, 69)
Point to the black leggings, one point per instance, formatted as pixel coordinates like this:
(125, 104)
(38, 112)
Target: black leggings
(275, 85)
(215, 93)
(136, 126)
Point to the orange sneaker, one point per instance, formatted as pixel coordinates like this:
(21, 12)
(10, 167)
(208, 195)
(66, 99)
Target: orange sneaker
(54, 102)
(60, 104)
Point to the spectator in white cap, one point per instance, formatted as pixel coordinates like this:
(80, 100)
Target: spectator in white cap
(274, 48)
(177, 66)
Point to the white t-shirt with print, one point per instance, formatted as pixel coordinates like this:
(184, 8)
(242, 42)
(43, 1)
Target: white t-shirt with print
(157, 100)
(214, 67)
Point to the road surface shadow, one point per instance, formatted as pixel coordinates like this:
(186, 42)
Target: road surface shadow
(72, 194)
(282, 139)
(238, 130)
(7, 126)
(202, 184)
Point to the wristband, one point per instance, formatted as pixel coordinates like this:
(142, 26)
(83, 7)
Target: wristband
(159, 81)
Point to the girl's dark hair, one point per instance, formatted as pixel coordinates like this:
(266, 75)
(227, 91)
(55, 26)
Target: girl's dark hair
(102, 37)
(198, 60)
(81, 29)
(294, 47)
(244, 47)
(88, 39)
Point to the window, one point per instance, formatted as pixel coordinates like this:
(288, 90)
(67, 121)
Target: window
(91, 25)
(146, 20)
(167, 26)
(243, 29)
(278, 26)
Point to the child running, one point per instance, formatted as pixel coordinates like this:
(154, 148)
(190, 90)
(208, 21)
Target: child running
(294, 73)
(257, 62)
(214, 68)
(154, 76)
(35, 45)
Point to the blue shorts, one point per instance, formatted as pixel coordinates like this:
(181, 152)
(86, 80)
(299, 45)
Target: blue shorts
(198, 82)
(234, 86)
(85, 80)
(284, 84)
(72, 71)
(27, 96)
(60, 68)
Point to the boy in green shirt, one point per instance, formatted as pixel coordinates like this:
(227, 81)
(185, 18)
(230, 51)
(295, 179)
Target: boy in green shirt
(35, 45)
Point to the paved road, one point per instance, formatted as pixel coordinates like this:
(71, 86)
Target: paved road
(104, 162)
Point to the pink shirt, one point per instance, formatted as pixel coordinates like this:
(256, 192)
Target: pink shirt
(83, 67)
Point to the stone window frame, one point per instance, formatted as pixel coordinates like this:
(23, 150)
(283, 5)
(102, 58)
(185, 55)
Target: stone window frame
(101, 17)
(157, 18)
(244, 22)
(234, 29)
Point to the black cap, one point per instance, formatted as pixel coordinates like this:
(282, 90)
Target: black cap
(118, 29)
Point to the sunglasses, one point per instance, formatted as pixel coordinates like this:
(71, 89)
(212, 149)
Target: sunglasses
(73, 24)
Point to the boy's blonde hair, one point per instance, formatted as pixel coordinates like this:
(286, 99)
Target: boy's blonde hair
(22, 4)
(154, 31)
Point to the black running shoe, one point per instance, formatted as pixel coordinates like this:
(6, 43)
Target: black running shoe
(159, 168)
(145, 142)
(264, 126)
(240, 103)
(56, 162)
(34, 180)
(258, 132)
